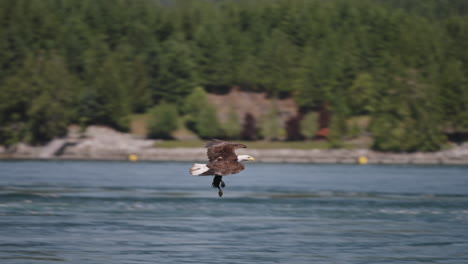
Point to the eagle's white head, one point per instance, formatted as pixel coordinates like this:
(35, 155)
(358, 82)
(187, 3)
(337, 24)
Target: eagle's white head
(241, 158)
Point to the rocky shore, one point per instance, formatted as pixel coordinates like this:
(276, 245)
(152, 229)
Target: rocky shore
(102, 143)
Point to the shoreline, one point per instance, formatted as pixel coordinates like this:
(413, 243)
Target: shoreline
(313, 156)
(103, 143)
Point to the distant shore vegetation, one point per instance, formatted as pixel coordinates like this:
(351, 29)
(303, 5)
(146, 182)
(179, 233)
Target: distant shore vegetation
(400, 64)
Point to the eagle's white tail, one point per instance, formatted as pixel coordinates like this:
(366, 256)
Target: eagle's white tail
(198, 169)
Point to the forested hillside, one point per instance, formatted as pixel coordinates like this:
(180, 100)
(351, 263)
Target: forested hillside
(403, 63)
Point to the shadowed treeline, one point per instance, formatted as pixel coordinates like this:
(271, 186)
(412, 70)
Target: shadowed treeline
(402, 63)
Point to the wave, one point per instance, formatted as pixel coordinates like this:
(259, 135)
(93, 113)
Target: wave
(113, 193)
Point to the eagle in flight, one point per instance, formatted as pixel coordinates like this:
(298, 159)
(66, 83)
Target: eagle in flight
(222, 161)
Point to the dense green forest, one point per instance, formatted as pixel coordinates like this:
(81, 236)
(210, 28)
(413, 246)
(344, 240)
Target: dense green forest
(403, 63)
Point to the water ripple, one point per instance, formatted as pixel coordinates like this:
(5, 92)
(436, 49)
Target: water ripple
(108, 213)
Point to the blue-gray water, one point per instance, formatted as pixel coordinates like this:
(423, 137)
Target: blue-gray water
(119, 212)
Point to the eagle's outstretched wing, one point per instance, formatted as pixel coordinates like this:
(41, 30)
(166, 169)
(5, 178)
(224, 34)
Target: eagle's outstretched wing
(221, 150)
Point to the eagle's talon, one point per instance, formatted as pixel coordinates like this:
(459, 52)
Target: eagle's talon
(223, 184)
(220, 192)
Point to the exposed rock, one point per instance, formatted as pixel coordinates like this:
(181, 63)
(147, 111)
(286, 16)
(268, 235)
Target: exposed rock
(22, 150)
(103, 142)
(52, 148)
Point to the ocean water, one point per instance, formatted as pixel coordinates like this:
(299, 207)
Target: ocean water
(154, 212)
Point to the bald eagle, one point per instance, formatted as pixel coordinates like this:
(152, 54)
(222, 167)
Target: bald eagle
(222, 161)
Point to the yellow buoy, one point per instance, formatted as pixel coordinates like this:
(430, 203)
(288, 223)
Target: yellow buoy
(133, 157)
(362, 160)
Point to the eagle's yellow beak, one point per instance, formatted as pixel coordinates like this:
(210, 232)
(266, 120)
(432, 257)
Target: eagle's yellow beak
(251, 159)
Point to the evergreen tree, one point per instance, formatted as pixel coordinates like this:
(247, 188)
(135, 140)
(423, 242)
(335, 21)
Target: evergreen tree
(137, 86)
(338, 129)
(361, 94)
(213, 54)
(206, 122)
(111, 104)
(407, 120)
(277, 64)
(271, 127)
(309, 125)
(135, 79)
(163, 120)
(77, 39)
(201, 115)
(308, 88)
(198, 97)
(454, 95)
(232, 126)
(35, 103)
(175, 73)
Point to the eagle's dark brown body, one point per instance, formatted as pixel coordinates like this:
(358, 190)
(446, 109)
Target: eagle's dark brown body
(222, 158)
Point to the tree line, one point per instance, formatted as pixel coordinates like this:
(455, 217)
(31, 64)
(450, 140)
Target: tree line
(402, 63)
